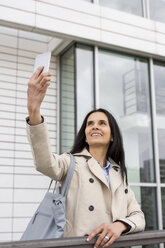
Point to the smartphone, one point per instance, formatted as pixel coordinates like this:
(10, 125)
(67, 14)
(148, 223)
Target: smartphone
(42, 60)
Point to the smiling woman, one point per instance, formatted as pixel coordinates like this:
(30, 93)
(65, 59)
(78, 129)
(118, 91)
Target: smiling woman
(99, 183)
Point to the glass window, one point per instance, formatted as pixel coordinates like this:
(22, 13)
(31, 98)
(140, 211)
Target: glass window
(67, 101)
(159, 76)
(124, 91)
(157, 10)
(146, 197)
(130, 6)
(84, 82)
(77, 97)
(163, 206)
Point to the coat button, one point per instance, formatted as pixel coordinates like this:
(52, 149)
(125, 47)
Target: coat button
(91, 180)
(91, 208)
(126, 191)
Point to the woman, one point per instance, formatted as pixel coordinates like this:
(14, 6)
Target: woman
(99, 200)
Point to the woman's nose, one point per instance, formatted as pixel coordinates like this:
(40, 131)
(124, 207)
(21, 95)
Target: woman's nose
(95, 126)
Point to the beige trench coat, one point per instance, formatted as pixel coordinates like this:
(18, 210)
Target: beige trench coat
(90, 202)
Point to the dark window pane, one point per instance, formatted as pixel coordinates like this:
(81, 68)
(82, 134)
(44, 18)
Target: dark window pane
(146, 197)
(163, 206)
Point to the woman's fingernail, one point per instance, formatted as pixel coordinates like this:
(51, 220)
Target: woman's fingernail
(87, 239)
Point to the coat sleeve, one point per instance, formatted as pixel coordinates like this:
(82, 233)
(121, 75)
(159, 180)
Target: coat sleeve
(53, 165)
(135, 217)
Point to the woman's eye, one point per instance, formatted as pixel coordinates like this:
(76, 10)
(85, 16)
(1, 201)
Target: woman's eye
(90, 123)
(103, 123)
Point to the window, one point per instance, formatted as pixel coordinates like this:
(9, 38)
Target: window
(159, 75)
(157, 10)
(124, 91)
(123, 88)
(77, 84)
(67, 100)
(84, 82)
(133, 7)
(146, 197)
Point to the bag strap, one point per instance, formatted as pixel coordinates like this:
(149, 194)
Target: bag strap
(69, 176)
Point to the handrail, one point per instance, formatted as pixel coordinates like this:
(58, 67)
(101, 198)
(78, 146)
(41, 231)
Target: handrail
(141, 238)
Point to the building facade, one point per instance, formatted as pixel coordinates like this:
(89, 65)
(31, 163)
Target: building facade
(105, 53)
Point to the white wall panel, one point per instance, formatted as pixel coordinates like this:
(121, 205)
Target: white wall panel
(6, 181)
(85, 21)
(5, 225)
(17, 16)
(6, 161)
(69, 28)
(68, 14)
(5, 170)
(34, 197)
(79, 6)
(18, 177)
(19, 224)
(6, 195)
(24, 162)
(21, 208)
(6, 210)
(20, 4)
(26, 170)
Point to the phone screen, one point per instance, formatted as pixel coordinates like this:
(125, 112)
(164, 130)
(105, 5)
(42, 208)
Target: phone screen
(42, 60)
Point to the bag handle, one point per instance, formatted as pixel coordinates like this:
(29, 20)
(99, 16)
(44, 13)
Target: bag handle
(69, 176)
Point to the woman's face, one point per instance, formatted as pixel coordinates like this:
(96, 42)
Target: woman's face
(98, 131)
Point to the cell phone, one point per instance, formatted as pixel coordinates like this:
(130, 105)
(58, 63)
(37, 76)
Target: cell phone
(42, 60)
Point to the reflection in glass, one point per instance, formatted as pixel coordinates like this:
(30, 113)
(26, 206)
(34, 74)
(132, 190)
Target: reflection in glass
(159, 77)
(130, 6)
(67, 121)
(124, 91)
(157, 10)
(84, 82)
(146, 197)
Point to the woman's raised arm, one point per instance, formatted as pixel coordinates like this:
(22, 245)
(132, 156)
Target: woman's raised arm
(37, 87)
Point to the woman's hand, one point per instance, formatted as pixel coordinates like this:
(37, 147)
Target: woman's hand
(37, 87)
(108, 233)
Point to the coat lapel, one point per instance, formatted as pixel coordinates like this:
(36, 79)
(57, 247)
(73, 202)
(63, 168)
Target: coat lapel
(115, 178)
(96, 170)
(114, 172)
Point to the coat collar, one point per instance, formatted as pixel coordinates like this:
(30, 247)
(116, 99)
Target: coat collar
(114, 172)
(84, 153)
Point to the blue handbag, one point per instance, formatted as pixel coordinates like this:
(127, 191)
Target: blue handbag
(49, 220)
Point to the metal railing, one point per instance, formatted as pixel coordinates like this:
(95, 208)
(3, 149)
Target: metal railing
(141, 238)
